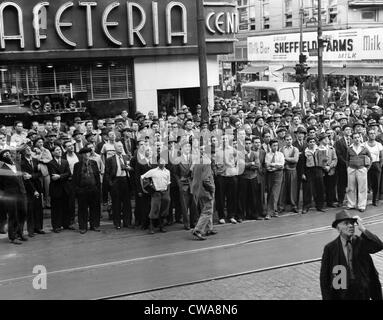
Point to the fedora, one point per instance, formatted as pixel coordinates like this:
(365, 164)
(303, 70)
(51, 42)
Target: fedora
(341, 216)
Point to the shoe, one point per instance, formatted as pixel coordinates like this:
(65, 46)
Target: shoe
(305, 211)
(321, 210)
(151, 231)
(118, 228)
(239, 220)
(331, 205)
(362, 210)
(374, 203)
(31, 235)
(70, 228)
(163, 230)
(15, 241)
(348, 208)
(198, 235)
(259, 218)
(340, 204)
(222, 221)
(82, 231)
(233, 221)
(294, 210)
(40, 232)
(23, 238)
(56, 230)
(275, 215)
(187, 228)
(211, 232)
(268, 217)
(95, 229)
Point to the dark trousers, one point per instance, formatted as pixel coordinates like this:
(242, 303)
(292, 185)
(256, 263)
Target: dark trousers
(330, 188)
(105, 190)
(175, 203)
(159, 205)
(250, 204)
(143, 207)
(120, 192)
(34, 214)
(274, 183)
(3, 217)
(315, 178)
(188, 207)
(89, 208)
(373, 177)
(17, 213)
(342, 182)
(219, 196)
(228, 189)
(288, 194)
(307, 193)
(299, 186)
(72, 206)
(60, 212)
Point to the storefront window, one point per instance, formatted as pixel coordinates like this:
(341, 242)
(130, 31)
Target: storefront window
(288, 13)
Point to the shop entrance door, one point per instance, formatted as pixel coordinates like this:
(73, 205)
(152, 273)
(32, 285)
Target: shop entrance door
(170, 100)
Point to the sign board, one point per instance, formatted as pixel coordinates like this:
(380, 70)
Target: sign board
(313, 53)
(95, 28)
(341, 45)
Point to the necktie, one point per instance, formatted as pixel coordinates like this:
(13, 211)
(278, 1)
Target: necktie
(273, 159)
(349, 258)
(59, 162)
(348, 141)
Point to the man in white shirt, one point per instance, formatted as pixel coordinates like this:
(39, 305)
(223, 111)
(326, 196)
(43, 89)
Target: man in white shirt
(19, 137)
(275, 162)
(160, 198)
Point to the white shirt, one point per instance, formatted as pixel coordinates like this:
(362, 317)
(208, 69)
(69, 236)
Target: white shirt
(279, 158)
(72, 160)
(161, 178)
(119, 159)
(375, 151)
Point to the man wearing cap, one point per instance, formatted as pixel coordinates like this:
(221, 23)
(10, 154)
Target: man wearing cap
(61, 126)
(341, 147)
(347, 270)
(358, 162)
(87, 185)
(50, 141)
(13, 196)
(259, 127)
(128, 142)
(79, 141)
(281, 133)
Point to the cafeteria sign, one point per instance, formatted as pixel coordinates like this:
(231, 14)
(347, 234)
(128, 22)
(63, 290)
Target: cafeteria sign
(339, 45)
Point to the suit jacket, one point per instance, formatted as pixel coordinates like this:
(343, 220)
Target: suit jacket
(77, 176)
(111, 168)
(183, 172)
(133, 145)
(60, 187)
(257, 132)
(12, 184)
(140, 168)
(301, 161)
(341, 151)
(32, 185)
(202, 186)
(250, 171)
(363, 266)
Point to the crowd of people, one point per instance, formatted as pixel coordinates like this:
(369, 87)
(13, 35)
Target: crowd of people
(248, 161)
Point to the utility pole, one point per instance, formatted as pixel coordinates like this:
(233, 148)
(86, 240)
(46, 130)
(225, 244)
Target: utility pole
(202, 59)
(301, 48)
(320, 55)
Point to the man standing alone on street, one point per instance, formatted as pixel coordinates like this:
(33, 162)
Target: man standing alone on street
(347, 270)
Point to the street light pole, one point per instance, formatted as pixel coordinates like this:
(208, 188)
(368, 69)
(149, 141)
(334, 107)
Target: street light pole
(320, 55)
(301, 49)
(202, 59)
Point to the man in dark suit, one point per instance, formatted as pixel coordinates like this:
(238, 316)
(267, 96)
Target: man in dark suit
(34, 189)
(117, 174)
(59, 190)
(347, 270)
(341, 147)
(128, 142)
(87, 186)
(301, 145)
(183, 177)
(259, 127)
(14, 197)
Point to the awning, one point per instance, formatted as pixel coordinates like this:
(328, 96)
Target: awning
(286, 69)
(253, 69)
(349, 71)
(365, 3)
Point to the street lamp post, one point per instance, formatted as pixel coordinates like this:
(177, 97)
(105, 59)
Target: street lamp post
(301, 49)
(320, 55)
(202, 59)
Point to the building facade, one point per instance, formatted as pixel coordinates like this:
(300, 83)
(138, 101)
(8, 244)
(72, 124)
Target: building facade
(105, 56)
(269, 37)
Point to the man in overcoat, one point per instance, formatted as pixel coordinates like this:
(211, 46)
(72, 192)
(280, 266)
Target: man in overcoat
(347, 270)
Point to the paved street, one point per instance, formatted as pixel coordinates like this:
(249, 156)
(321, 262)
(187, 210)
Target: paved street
(130, 261)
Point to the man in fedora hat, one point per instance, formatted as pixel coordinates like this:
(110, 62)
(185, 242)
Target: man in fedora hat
(14, 197)
(87, 187)
(347, 270)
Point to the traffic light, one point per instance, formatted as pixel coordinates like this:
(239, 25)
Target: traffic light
(301, 69)
(302, 58)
